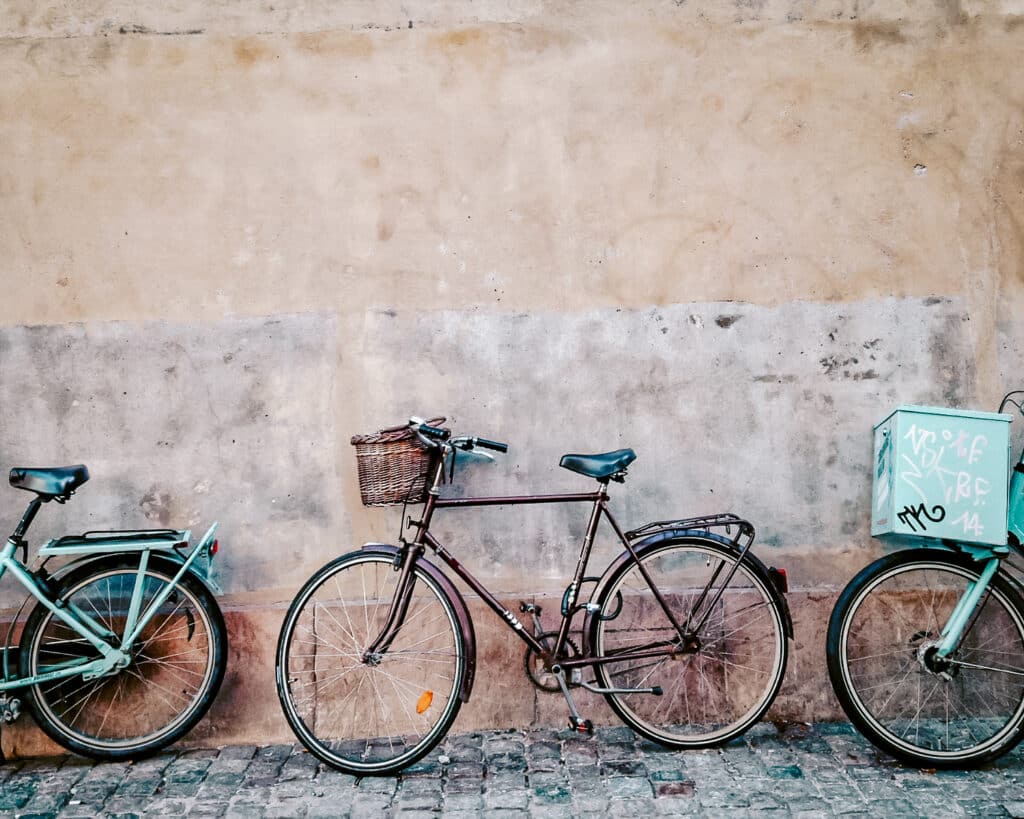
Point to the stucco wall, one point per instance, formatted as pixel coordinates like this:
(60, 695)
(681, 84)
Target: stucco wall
(729, 235)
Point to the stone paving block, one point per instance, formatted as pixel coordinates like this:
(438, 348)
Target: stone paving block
(453, 786)
(623, 767)
(509, 761)
(628, 787)
(677, 788)
(545, 779)
(550, 795)
(463, 802)
(505, 780)
(465, 770)
(510, 799)
(287, 809)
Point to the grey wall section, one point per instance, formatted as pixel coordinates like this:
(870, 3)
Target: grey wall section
(763, 411)
(181, 425)
(731, 407)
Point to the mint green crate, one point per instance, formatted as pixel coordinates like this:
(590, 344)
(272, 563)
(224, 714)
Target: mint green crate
(941, 473)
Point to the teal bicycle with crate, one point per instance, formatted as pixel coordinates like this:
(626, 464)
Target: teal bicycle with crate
(925, 646)
(126, 647)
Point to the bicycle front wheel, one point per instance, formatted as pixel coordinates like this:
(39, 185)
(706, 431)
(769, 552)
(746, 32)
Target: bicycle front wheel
(724, 676)
(177, 662)
(957, 712)
(369, 714)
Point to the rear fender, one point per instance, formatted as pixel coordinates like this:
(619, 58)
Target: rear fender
(461, 610)
(170, 561)
(642, 547)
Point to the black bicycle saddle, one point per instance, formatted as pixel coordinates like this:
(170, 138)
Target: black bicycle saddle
(599, 466)
(49, 482)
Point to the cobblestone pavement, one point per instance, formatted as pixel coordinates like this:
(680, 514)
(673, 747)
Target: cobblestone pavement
(798, 770)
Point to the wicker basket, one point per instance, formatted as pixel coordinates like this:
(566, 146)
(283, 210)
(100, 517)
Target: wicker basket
(393, 465)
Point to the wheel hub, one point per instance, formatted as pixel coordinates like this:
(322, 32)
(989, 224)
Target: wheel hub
(691, 644)
(932, 662)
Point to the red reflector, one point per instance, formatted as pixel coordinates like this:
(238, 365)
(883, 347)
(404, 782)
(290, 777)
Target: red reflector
(779, 579)
(214, 547)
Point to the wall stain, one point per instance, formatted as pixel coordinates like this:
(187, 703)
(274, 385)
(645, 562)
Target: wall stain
(336, 44)
(156, 506)
(868, 35)
(249, 51)
(727, 321)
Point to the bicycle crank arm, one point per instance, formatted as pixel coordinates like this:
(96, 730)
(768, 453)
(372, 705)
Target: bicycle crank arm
(656, 690)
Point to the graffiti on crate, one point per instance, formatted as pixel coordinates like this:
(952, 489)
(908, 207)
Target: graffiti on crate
(911, 516)
(939, 467)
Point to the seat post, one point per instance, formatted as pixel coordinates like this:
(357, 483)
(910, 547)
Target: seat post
(26, 519)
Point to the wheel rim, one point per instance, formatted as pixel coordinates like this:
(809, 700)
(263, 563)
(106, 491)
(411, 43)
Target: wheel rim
(381, 714)
(719, 690)
(170, 671)
(923, 707)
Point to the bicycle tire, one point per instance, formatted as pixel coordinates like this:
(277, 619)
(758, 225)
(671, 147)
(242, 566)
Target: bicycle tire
(880, 636)
(708, 696)
(371, 732)
(177, 665)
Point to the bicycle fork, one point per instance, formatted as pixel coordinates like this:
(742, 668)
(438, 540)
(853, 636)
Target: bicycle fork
(374, 653)
(954, 629)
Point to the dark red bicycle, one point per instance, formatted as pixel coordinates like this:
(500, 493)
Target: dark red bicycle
(685, 633)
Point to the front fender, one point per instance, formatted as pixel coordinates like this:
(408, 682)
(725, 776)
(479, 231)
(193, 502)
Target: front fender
(642, 547)
(461, 610)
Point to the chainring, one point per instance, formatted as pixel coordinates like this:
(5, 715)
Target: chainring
(539, 676)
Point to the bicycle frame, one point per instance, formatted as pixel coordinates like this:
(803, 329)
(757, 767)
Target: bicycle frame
(113, 655)
(552, 656)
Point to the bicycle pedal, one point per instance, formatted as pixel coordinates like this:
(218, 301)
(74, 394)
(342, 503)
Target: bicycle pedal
(582, 726)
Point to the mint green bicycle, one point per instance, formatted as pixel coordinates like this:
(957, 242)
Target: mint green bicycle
(925, 646)
(125, 648)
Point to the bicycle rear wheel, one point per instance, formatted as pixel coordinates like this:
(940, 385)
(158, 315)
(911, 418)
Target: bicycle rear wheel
(727, 676)
(177, 664)
(369, 715)
(955, 713)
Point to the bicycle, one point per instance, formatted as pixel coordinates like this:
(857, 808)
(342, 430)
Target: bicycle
(925, 646)
(126, 648)
(686, 632)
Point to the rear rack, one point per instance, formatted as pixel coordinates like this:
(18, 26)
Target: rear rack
(119, 536)
(702, 523)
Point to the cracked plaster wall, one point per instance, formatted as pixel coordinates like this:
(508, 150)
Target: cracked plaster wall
(730, 235)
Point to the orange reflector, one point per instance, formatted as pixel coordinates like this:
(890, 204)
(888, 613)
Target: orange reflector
(423, 703)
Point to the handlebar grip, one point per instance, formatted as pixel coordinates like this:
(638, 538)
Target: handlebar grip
(435, 432)
(497, 446)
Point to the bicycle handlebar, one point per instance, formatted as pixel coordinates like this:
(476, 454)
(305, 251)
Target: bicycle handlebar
(434, 432)
(497, 446)
(435, 436)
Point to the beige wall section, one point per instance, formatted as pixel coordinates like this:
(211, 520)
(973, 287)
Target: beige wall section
(571, 160)
(414, 177)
